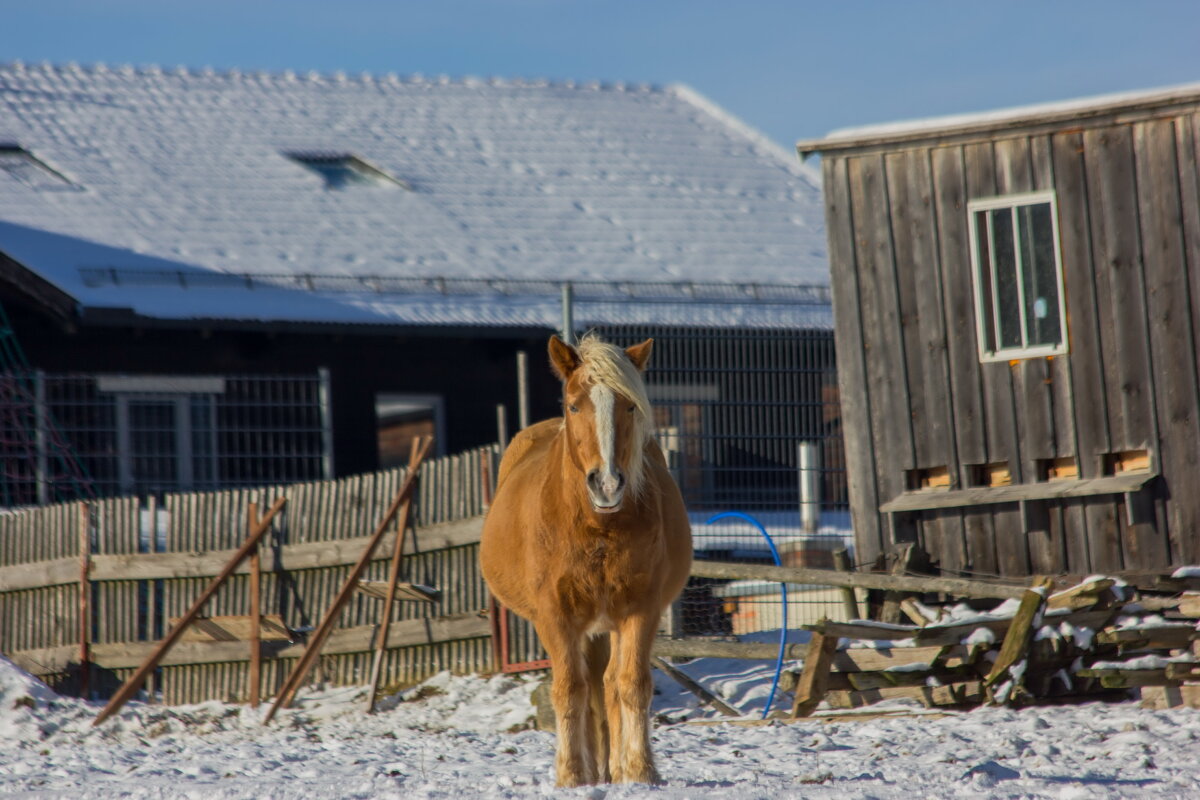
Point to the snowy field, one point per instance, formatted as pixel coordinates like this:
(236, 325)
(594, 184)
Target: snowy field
(470, 737)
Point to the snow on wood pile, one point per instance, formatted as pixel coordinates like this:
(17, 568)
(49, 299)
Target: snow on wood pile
(1096, 637)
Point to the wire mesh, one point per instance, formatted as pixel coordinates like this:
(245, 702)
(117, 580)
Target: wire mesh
(140, 435)
(749, 420)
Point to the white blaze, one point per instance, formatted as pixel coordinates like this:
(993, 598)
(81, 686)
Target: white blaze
(603, 401)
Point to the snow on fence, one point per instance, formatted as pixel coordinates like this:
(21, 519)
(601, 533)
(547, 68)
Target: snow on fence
(148, 559)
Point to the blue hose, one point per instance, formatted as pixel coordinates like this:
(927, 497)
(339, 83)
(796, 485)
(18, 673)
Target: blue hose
(782, 591)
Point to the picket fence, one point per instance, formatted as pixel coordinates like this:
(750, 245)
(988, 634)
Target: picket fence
(132, 564)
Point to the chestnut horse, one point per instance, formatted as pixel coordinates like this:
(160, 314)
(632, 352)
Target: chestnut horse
(588, 538)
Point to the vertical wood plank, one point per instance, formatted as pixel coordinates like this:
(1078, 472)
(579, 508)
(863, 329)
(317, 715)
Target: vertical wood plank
(1172, 334)
(882, 332)
(854, 387)
(965, 380)
(1112, 183)
(999, 420)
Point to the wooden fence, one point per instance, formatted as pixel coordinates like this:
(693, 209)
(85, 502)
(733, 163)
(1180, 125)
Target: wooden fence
(147, 560)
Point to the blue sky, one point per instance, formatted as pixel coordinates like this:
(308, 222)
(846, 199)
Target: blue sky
(791, 69)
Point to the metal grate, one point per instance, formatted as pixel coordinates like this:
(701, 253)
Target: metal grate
(750, 421)
(138, 435)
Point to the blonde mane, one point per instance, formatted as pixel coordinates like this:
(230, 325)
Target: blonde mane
(606, 364)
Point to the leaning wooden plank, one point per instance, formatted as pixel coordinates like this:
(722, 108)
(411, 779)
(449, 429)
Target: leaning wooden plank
(810, 689)
(684, 680)
(1016, 644)
(135, 681)
(404, 591)
(958, 587)
(393, 581)
(300, 672)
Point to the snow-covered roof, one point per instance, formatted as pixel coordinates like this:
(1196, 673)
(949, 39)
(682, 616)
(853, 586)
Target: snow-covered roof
(1097, 107)
(141, 185)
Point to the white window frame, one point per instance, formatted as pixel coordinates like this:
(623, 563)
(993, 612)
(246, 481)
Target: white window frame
(1014, 201)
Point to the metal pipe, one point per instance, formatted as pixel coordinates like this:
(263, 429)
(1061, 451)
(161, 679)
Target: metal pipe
(568, 314)
(522, 390)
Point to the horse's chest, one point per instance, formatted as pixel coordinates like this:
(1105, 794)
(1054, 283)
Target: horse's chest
(598, 582)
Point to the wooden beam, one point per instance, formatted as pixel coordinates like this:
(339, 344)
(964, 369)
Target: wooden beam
(412, 592)
(85, 599)
(167, 566)
(344, 641)
(959, 587)
(1015, 493)
(135, 681)
(292, 684)
(236, 628)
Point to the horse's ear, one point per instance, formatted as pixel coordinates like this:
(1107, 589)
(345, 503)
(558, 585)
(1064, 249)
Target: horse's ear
(639, 354)
(563, 358)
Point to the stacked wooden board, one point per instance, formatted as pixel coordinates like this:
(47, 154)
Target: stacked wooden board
(1093, 637)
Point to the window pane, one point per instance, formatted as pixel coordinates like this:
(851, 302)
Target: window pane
(1007, 294)
(1040, 277)
(985, 280)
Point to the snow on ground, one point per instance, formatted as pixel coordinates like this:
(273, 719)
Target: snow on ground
(467, 737)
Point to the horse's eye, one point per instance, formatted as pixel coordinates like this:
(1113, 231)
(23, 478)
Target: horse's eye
(573, 409)
(632, 409)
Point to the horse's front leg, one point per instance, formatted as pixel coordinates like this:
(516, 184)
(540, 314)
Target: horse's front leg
(575, 757)
(629, 688)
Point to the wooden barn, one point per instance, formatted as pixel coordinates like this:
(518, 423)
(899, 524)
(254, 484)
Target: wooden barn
(1017, 310)
(221, 279)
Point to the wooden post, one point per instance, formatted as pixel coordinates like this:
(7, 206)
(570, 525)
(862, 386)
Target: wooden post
(255, 589)
(385, 622)
(841, 562)
(891, 600)
(135, 681)
(814, 679)
(85, 600)
(317, 639)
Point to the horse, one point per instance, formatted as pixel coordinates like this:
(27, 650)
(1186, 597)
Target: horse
(587, 537)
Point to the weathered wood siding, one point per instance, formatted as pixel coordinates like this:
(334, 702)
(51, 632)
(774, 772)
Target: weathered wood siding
(916, 395)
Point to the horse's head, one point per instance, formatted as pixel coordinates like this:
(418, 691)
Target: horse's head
(606, 415)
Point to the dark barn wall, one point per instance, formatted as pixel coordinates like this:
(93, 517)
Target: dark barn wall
(473, 373)
(915, 394)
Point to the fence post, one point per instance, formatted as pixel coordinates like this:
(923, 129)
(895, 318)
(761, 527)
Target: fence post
(323, 399)
(808, 460)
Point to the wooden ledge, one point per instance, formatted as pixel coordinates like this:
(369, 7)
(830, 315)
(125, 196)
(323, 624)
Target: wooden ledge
(1126, 483)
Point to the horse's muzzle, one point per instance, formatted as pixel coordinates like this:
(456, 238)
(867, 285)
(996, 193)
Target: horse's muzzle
(606, 490)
